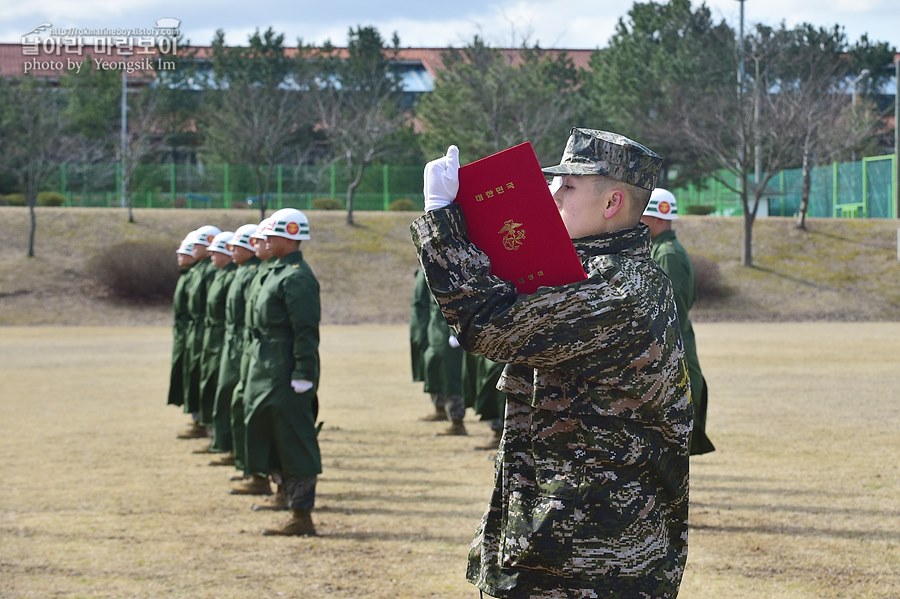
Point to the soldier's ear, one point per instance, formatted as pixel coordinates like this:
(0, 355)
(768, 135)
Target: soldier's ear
(613, 203)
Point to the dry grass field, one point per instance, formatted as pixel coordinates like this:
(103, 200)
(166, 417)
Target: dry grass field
(98, 498)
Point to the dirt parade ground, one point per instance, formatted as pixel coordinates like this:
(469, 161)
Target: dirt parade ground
(99, 499)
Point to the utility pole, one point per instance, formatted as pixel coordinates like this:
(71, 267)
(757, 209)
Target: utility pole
(123, 137)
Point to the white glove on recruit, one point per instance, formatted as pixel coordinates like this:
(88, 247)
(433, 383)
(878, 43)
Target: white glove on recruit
(301, 386)
(442, 180)
(453, 341)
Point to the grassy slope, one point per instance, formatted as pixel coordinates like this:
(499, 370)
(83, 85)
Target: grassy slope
(841, 270)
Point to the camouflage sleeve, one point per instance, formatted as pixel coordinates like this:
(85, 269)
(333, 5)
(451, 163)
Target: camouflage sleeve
(585, 326)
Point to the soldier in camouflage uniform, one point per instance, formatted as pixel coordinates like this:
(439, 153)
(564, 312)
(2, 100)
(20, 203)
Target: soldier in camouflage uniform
(196, 288)
(591, 483)
(233, 346)
(180, 317)
(668, 252)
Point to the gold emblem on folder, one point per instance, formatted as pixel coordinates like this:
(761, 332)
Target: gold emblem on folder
(513, 236)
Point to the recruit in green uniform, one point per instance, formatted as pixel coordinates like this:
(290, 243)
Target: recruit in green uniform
(196, 288)
(668, 252)
(233, 344)
(283, 374)
(214, 330)
(590, 495)
(256, 483)
(180, 320)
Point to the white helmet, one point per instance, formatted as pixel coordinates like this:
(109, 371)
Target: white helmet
(205, 234)
(242, 237)
(186, 247)
(220, 243)
(261, 228)
(662, 205)
(289, 223)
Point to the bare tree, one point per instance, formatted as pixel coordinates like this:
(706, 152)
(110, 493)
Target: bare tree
(257, 112)
(141, 138)
(358, 102)
(31, 127)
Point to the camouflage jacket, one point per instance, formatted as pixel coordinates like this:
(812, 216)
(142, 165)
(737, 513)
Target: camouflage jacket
(591, 485)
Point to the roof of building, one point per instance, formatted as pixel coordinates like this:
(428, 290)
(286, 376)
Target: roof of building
(17, 59)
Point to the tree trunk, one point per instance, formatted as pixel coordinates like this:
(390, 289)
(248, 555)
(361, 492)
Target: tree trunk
(351, 189)
(804, 193)
(32, 199)
(126, 183)
(747, 254)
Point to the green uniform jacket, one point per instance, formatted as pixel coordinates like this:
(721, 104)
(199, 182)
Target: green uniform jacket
(591, 483)
(281, 432)
(250, 344)
(418, 326)
(232, 350)
(213, 339)
(180, 323)
(443, 364)
(196, 289)
(668, 252)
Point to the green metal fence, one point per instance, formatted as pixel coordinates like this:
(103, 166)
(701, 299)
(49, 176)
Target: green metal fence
(234, 186)
(862, 189)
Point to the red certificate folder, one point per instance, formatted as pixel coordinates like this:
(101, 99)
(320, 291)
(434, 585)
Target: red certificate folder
(511, 217)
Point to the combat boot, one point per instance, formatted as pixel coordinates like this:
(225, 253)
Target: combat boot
(195, 431)
(225, 460)
(257, 485)
(439, 415)
(300, 525)
(277, 502)
(456, 429)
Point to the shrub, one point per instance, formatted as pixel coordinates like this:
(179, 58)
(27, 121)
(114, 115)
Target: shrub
(50, 198)
(699, 209)
(402, 205)
(707, 278)
(14, 199)
(326, 204)
(136, 270)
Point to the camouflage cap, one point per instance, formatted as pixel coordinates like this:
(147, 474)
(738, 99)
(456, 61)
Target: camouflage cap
(595, 152)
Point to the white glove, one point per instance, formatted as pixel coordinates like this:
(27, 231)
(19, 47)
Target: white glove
(453, 341)
(301, 386)
(442, 180)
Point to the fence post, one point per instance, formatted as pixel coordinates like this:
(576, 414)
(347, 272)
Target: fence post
(384, 185)
(226, 193)
(865, 188)
(172, 183)
(834, 189)
(333, 182)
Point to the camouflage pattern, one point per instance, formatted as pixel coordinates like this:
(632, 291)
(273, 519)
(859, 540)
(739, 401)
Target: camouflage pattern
(180, 322)
(197, 287)
(591, 482)
(232, 351)
(671, 256)
(281, 424)
(213, 339)
(249, 345)
(595, 152)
